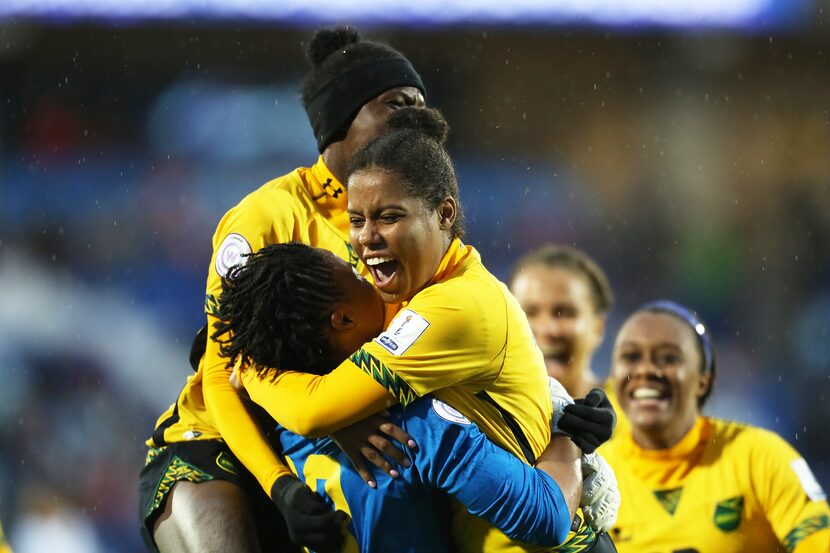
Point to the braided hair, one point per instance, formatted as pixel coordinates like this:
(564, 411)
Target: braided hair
(273, 309)
(413, 149)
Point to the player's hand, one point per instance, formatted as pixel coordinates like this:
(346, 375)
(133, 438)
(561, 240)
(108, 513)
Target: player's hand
(600, 494)
(589, 421)
(370, 440)
(311, 523)
(236, 382)
(560, 398)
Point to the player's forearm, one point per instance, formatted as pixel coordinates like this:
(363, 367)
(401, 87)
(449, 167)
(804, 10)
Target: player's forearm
(314, 406)
(561, 461)
(523, 502)
(238, 429)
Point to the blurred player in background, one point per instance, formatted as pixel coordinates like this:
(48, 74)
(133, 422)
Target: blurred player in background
(693, 483)
(458, 332)
(195, 491)
(566, 297)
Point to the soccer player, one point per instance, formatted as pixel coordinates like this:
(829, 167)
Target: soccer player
(458, 333)
(566, 297)
(267, 323)
(693, 483)
(198, 489)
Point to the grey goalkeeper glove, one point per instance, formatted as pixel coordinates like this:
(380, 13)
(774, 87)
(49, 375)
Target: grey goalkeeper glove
(560, 398)
(600, 494)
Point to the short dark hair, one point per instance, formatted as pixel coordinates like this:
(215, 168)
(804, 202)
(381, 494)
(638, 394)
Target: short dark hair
(413, 149)
(556, 255)
(273, 309)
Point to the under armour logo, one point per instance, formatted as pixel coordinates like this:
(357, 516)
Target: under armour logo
(335, 192)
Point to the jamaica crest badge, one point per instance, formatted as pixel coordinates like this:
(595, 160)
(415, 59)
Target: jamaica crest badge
(728, 513)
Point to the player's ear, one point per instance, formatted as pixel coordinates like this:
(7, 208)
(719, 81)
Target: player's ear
(447, 212)
(340, 321)
(704, 384)
(599, 328)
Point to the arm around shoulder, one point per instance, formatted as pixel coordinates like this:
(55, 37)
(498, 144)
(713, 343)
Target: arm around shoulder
(525, 503)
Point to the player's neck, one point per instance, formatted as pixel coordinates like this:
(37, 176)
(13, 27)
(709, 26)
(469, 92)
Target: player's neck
(335, 161)
(661, 438)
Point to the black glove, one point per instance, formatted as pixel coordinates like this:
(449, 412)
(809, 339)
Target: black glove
(589, 421)
(311, 523)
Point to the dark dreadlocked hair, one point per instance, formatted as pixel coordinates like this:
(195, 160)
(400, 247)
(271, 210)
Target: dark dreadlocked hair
(413, 149)
(273, 308)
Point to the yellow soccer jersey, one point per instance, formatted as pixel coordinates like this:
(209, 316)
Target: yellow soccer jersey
(725, 487)
(307, 205)
(450, 340)
(623, 426)
(465, 339)
(4, 545)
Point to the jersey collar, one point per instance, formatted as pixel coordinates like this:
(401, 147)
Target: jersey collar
(324, 187)
(329, 196)
(456, 256)
(666, 468)
(682, 449)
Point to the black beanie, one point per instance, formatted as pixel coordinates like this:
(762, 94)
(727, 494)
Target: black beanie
(347, 72)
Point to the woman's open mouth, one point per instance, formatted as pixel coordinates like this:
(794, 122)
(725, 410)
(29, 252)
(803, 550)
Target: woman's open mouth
(382, 269)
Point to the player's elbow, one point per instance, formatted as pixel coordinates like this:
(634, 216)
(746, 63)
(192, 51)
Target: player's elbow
(561, 514)
(546, 522)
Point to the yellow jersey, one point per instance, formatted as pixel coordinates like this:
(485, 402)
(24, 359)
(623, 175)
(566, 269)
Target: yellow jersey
(464, 339)
(725, 487)
(4, 545)
(623, 426)
(307, 205)
(451, 340)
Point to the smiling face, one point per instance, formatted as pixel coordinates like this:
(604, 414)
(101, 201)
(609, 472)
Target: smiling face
(399, 239)
(658, 378)
(560, 307)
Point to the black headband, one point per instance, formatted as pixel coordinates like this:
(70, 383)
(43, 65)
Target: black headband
(336, 102)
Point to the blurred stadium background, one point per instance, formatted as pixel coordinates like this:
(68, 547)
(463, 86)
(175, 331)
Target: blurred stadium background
(684, 145)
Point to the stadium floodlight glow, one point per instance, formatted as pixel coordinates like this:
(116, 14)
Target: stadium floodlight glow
(674, 13)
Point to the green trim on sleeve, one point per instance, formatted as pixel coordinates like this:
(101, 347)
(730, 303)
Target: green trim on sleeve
(384, 376)
(805, 528)
(211, 305)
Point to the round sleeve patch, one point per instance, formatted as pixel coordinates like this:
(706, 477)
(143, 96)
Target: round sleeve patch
(231, 253)
(448, 413)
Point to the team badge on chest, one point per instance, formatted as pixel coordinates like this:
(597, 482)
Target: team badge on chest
(728, 513)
